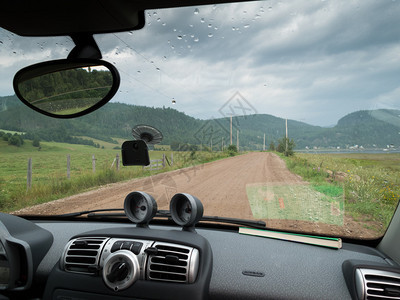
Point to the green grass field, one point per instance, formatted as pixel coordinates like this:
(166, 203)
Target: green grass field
(370, 182)
(49, 170)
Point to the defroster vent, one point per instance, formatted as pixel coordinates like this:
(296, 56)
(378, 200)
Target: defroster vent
(81, 255)
(173, 263)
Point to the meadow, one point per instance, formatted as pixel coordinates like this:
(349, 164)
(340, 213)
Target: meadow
(49, 170)
(370, 182)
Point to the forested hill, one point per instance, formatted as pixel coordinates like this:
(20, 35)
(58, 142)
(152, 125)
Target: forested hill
(115, 120)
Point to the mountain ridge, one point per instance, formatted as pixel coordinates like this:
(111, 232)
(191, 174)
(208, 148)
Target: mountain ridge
(369, 128)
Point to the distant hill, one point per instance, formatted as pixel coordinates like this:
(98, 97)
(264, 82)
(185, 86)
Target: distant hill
(115, 120)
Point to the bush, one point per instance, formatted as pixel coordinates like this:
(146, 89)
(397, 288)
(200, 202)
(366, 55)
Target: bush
(36, 142)
(193, 155)
(232, 150)
(272, 146)
(282, 146)
(16, 140)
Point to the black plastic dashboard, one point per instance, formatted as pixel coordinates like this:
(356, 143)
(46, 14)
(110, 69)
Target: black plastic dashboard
(232, 266)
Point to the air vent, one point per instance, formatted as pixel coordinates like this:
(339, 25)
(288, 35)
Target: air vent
(377, 284)
(82, 255)
(173, 263)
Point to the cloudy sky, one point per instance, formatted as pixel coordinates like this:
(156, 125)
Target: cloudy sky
(312, 61)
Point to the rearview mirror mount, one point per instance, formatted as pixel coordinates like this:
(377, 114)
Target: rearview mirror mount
(135, 153)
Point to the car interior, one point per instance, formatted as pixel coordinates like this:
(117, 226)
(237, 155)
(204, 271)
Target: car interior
(142, 252)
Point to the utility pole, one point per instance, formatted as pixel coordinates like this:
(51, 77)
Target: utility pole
(264, 143)
(231, 130)
(222, 144)
(237, 140)
(287, 137)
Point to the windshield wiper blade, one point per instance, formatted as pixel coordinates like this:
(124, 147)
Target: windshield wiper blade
(112, 212)
(91, 213)
(242, 222)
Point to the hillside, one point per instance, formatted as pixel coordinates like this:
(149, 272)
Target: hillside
(115, 120)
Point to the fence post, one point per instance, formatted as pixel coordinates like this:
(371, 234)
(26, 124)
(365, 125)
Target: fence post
(68, 166)
(93, 164)
(117, 161)
(172, 159)
(163, 160)
(29, 175)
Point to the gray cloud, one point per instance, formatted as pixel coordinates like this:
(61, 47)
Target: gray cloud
(312, 61)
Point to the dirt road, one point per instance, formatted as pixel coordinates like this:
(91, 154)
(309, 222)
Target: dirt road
(220, 185)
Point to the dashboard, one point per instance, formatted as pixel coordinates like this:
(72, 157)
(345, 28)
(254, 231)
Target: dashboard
(89, 259)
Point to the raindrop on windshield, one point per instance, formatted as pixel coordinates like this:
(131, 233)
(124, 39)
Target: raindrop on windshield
(209, 25)
(215, 28)
(163, 24)
(192, 35)
(155, 13)
(196, 11)
(1, 42)
(158, 20)
(258, 16)
(246, 26)
(202, 20)
(214, 7)
(130, 32)
(196, 40)
(210, 35)
(179, 37)
(191, 25)
(174, 29)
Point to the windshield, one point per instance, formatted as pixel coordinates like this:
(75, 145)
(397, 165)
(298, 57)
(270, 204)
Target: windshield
(286, 112)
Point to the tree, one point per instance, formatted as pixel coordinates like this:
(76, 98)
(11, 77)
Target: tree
(36, 142)
(282, 146)
(232, 150)
(272, 146)
(15, 140)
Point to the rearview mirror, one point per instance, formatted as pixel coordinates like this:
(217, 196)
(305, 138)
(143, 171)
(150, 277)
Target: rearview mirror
(67, 88)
